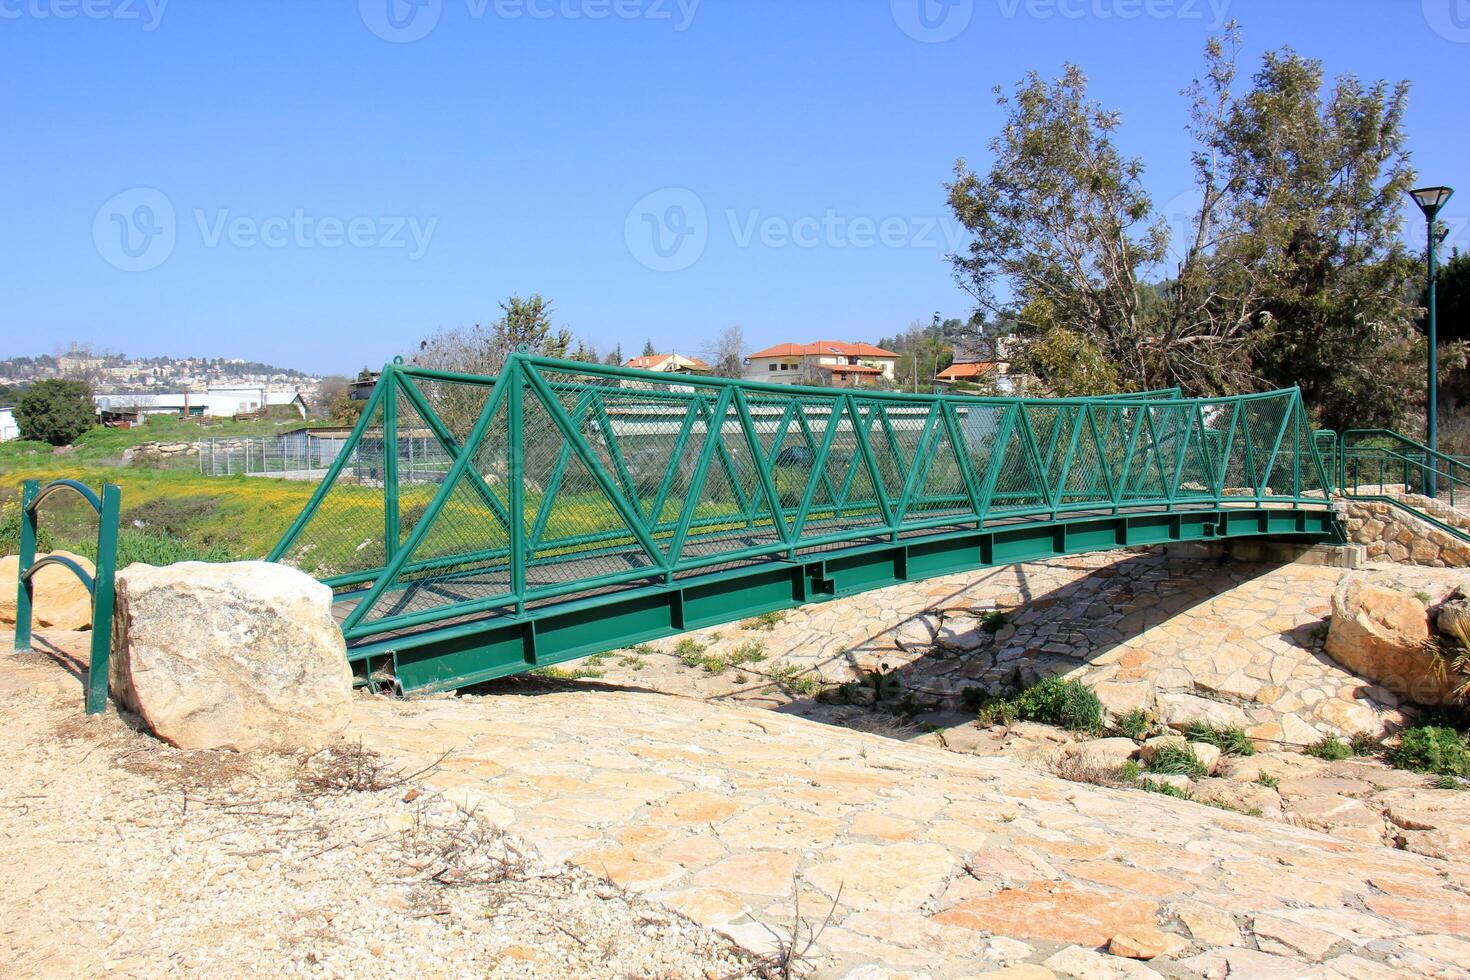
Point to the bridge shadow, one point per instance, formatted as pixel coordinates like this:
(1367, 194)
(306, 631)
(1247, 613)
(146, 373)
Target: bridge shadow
(902, 680)
(904, 686)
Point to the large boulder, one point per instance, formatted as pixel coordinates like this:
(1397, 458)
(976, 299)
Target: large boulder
(241, 656)
(59, 599)
(1383, 635)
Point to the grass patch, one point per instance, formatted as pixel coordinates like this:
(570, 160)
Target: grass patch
(765, 621)
(1267, 780)
(1230, 741)
(561, 674)
(795, 680)
(1178, 760)
(993, 620)
(1136, 724)
(1433, 750)
(1164, 789)
(1331, 748)
(1069, 704)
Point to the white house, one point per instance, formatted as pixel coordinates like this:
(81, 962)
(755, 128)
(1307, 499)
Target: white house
(669, 364)
(9, 429)
(832, 362)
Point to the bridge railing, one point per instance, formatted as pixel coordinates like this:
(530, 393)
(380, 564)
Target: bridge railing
(1382, 464)
(569, 479)
(99, 585)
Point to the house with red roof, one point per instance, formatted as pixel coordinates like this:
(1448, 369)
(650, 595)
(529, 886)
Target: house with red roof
(670, 364)
(829, 362)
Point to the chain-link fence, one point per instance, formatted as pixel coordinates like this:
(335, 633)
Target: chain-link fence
(423, 458)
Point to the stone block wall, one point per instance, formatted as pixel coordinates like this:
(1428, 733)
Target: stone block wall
(1391, 534)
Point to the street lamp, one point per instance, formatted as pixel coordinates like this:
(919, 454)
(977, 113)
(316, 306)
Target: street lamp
(1430, 200)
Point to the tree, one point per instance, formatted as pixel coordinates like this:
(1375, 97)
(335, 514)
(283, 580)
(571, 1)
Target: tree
(615, 357)
(55, 411)
(584, 352)
(727, 354)
(1290, 271)
(1061, 218)
(923, 352)
(481, 350)
(648, 350)
(1322, 176)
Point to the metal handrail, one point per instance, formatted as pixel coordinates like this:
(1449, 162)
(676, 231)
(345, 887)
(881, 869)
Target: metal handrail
(100, 585)
(1001, 463)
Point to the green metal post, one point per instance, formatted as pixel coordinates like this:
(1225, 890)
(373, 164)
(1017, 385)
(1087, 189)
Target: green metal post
(714, 434)
(102, 599)
(390, 464)
(515, 441)
(768, 484)
(446, 489)
(23, 591)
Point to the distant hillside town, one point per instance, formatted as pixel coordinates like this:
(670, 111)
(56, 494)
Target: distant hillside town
(113, 373)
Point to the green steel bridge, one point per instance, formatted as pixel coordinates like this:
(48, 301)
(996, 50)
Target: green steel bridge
(578, 508)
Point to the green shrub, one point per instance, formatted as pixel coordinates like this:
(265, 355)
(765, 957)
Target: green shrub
(1069, 704)
(1136, 724)
(1230, 741)
(1171, 759)
(1448, 782)
(10, 531)
(1431, 749)
(997, 711)
(1129, 772)
(748, 653)
(1165, 789)
(1331, 748)
(690, 651)
(993, 620)
(1267, 780)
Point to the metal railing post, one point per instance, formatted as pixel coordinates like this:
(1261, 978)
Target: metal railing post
(102, 600)
(23, 589)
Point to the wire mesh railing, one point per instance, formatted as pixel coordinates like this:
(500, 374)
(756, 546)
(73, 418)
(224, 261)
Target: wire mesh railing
(559, 479)
(1382, 464)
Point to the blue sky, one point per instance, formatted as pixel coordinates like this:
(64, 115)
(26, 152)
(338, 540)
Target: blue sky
(320, 184)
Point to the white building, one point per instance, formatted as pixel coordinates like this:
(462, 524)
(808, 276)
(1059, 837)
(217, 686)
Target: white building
(830, 362)
(9, 429)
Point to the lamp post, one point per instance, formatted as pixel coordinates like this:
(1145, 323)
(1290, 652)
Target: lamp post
(1430, 200)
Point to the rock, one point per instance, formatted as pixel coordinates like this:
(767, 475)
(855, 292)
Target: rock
(1145, 944)
(1246, 797)
(1119, 698)
(1383, 635)
(1087, 964)
(1207, 754)
(1102, 753)
(242, 656)
(1151, 747)
(1206, 923)
(60, 600)
(1453, 617)
(1182, 710)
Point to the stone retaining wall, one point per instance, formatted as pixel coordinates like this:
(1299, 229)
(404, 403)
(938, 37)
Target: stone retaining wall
(1391, 534)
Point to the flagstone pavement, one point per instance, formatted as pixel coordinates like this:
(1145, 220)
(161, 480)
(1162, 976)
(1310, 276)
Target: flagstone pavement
(920, 862)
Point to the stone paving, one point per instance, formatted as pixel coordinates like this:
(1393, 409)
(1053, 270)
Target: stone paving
(921, 862)
(1228, 643)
